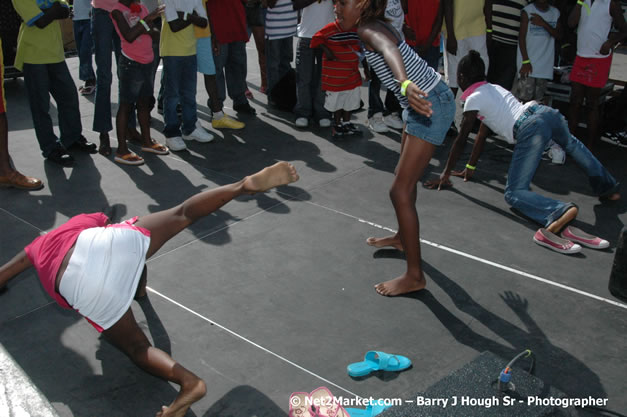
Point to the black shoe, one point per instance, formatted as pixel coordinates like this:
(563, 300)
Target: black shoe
(353, 130)
(83, 146)
(61, 157)
(339, 131)
(245, 108)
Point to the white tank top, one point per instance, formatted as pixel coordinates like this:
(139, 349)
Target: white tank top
(593, 29)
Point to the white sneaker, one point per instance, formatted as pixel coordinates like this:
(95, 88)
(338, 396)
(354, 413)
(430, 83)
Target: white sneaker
(557, 154)
(301, 122)
(393, 120)
(199, 135)
(324, 122)
(175, 144)
(375, 123)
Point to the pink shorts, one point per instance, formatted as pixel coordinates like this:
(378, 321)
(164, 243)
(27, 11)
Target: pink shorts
(591, 72)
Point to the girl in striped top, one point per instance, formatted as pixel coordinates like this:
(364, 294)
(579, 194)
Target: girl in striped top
(429, 110)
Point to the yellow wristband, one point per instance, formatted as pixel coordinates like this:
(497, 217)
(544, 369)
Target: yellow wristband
(471, 167)
(404, 86)
(145, 25)
(581, 3)
(489, 30)
(527, 61)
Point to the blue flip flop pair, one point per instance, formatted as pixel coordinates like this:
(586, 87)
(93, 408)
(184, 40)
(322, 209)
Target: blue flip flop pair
(378, 361)
(370, 411)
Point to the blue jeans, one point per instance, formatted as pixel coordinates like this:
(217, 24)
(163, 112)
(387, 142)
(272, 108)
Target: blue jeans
(231, 66)
(84, 44)
(309, 94)
(179, 77)
(106, 40)
(532, 137)
(43, 80)
(375, 105)
(279, 56)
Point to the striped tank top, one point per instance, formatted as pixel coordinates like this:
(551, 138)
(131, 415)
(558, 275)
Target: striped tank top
(416, 68)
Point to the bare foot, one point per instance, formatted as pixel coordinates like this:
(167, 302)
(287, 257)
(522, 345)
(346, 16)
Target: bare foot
(190, 393)
(278, 174)
(382, 242)
(401, 285)
(560, 223)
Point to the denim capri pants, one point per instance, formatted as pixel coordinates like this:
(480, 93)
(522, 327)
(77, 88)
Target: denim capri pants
(432, 129)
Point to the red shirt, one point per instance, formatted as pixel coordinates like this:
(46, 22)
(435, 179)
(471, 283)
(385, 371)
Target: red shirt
(46, 252)
(420, 17)
(228, 20)
(341, 74)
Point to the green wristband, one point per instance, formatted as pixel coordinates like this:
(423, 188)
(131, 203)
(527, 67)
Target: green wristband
(581, 3)
(526, 61)
(471, 167)
(404, 86)
(489, 30)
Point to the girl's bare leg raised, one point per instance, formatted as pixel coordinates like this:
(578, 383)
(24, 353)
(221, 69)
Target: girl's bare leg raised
(414, 159)
(129, 338)
(165, 224)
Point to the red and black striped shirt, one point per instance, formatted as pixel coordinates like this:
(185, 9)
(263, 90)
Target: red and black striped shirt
(341, 74)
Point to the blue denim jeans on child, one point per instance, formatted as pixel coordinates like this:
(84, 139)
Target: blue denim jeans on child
(84, 44)
(532, 136)
(43, 80)
(310, 97)
(179, 77)
(106, 40)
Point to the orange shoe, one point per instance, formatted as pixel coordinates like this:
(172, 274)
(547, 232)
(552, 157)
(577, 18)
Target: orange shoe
(22, 182)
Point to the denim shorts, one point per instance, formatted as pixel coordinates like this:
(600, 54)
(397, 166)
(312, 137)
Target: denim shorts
(135, 80)
(432, 129)
(204, 56)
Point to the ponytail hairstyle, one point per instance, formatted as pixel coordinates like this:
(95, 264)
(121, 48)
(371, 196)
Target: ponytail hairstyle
(472, 67)
(372, 10)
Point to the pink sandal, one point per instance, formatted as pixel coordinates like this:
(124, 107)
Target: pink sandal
(301, 405)
(326, 404)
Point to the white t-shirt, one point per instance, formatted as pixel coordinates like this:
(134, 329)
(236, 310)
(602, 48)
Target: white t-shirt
(185, 6)
(314, 17)
(593, 29)
(540, 43)
(497, 107)
(394, 12)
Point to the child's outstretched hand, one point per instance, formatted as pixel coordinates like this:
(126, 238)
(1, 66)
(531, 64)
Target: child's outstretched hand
(440, 183)
(466, 174)
(417, 100)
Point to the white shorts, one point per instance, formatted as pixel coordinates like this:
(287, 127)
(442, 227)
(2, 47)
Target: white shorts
(478, 43)
(103, 273)
(342, 100)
